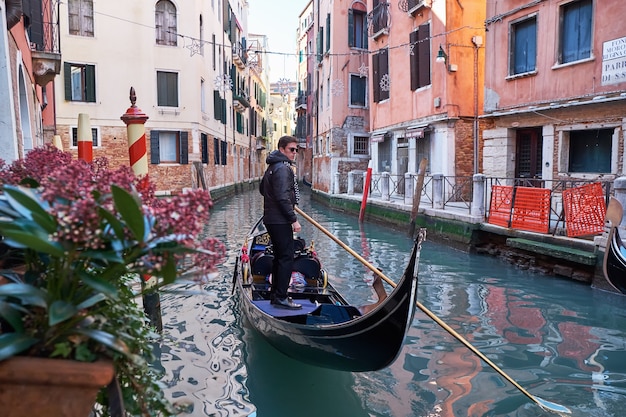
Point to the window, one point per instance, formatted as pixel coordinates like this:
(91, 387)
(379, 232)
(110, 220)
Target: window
(201, 36)
(358, 87)
(94, 137)
(204, 148)
(169, 147)
(167, 89)
(80, 82)
(420, 59)
(590, 150)
(357, 29)
(214, 60)
(576, 18)
(384, 155)
(165, 22)
(219, 107)
(360, 146)
(523, 46)
(80, 16)
(422, 150)
(220, 148)
(380, 63)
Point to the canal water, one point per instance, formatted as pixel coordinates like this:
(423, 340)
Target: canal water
(562, 341)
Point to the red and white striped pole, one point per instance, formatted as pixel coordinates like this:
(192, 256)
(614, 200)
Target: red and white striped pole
(83, 136)
(135, 121)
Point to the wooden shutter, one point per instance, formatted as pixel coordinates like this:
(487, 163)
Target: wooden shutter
(184, 148)
(217, 105)
(216, 151)
(90, 83)
(223, 152)
(376, 77)
(154, 147)
(350, 27)
(423, 54)
(67, 80)
(328, 32)
(414, 59)
(383, 67)
(204, 148)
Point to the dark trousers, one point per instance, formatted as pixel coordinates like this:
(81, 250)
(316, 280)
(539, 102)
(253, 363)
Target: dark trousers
(282, 245)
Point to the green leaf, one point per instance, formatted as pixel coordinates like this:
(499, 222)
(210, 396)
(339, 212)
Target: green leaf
(110, 256)
(99, 285)
(60, 311)
(12, 344)
(12, 316)
(26, 201)
(91, 301)
(130, 209)
(113, 222)
(83, 354)
(169, 271)
(26, 293)
(107, 339)
(63, 349)
(16, 236)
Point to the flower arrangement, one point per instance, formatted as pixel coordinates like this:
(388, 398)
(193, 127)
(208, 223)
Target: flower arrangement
(74, 237)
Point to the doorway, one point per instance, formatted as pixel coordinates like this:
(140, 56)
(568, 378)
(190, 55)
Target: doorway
(528, 157)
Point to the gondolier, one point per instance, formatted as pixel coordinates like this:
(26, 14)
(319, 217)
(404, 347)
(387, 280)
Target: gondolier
(280, 195)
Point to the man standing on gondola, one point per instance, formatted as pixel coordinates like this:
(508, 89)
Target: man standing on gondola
(279, 188)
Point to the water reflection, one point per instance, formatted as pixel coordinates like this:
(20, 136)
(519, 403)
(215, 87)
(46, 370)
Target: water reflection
(559, 340)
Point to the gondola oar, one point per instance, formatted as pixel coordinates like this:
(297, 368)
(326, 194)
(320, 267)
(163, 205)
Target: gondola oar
(544, 404)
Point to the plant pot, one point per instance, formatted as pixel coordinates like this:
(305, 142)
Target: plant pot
(51, 387)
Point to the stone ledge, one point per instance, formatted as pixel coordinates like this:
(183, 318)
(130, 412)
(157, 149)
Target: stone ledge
(555, 251)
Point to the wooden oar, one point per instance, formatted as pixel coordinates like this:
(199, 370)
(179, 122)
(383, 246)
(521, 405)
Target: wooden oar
(544, 404)
(417, 195)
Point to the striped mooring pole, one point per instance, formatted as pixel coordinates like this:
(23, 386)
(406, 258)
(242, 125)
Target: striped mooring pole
(84, 139)
(135, 121)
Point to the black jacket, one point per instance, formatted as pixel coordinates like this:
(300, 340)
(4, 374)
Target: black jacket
(278, 189)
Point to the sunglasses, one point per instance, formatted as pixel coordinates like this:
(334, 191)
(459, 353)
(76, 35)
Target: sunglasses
(292, 149)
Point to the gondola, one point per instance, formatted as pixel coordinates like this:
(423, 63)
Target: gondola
(614, 264)
(328, 331)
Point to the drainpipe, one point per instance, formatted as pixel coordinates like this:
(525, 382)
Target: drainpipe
(13, 12)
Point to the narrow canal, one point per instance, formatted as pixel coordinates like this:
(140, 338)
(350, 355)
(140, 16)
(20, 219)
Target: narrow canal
(562, 341)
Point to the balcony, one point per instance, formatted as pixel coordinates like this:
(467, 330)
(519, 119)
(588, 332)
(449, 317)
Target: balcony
(240, 103)
(379, 20)
(260, 143)
(301, 101)
(240, 54)
(414, 6)
(44, 36)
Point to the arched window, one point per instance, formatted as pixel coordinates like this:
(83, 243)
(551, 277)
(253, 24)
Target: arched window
(165, 19)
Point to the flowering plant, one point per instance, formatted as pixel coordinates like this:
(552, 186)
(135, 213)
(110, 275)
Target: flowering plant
(73, 236)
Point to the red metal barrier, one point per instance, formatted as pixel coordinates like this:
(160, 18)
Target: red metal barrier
(585, 210)
(500, 206)
(531, 209)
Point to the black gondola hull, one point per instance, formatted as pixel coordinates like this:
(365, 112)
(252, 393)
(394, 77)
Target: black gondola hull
(363, 342)
(615, 261)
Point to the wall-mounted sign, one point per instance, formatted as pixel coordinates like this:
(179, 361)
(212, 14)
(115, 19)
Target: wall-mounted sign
(614, 61)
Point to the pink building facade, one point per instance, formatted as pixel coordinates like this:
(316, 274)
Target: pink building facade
(555, 90)
(426, 60)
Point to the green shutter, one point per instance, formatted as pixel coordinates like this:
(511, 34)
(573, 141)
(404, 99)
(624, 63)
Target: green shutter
(350, 28)
(67, 74)
(328, 32)
(184, 148)
(217, 105)
(90, 83)
(154, 147)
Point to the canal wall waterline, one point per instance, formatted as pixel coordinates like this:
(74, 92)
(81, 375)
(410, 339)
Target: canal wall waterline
(572, 258)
